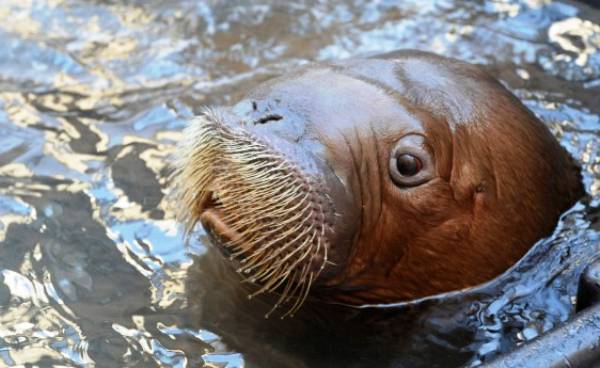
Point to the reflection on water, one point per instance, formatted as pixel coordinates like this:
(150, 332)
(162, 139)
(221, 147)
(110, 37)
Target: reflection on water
(93, 96)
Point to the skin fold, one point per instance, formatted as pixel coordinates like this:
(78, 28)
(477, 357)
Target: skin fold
(486, 178)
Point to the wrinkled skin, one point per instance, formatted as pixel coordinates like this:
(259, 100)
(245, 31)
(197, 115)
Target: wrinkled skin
(492, 180)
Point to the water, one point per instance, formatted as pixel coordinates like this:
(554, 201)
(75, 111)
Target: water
(93, 96)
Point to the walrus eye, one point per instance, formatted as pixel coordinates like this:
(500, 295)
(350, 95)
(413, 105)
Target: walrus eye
(408, 165)
(410, 161)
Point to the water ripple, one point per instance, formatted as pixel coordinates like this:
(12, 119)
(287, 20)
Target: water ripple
(94, 270)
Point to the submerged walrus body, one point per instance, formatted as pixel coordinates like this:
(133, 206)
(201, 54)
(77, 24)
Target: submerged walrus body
(374, 180)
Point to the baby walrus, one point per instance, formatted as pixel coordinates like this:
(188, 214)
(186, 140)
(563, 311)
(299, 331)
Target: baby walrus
(374, 180)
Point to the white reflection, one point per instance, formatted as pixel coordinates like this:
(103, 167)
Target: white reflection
(578, 36)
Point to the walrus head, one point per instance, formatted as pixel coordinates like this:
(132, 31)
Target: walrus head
(374, 180)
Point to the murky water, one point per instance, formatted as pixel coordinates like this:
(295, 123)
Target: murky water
(93, 96)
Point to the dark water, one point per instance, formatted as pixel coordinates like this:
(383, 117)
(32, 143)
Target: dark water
(93, 95)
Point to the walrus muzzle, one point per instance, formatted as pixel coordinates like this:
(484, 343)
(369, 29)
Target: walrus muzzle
(269, 212)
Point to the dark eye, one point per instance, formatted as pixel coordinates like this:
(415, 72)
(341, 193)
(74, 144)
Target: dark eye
(411, 162)
(408, 165)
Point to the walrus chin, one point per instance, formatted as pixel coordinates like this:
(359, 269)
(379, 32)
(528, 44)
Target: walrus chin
(270, 214)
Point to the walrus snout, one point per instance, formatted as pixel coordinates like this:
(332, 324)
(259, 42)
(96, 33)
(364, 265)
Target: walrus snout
(265, 201)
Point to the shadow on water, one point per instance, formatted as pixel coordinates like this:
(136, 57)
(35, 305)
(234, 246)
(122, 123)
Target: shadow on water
(93, 95)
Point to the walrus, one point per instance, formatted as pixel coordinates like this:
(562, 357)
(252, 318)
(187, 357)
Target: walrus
(373, 180)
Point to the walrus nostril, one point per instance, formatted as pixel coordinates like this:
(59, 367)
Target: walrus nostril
(267, 119)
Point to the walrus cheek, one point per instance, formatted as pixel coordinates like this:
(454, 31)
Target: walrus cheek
(416, 232)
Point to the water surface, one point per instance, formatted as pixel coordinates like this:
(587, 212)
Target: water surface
(94, 270)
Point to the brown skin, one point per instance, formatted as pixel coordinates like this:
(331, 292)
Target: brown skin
(493, 179)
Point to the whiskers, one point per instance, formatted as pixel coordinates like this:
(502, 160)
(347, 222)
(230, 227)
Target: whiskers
(262, 196)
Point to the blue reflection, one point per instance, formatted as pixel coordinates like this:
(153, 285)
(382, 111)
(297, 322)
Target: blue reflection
(93, 96)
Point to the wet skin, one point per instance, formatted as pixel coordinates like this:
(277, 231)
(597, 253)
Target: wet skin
(437, 177)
